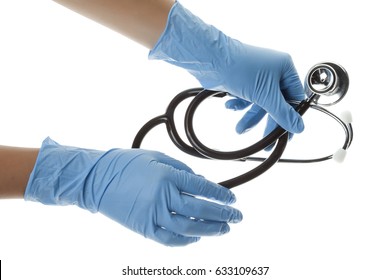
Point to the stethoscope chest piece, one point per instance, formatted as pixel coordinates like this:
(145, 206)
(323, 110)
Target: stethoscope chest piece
(326, 84)
(328, 81)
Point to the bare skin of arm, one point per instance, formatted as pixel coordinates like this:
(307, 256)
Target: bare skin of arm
(142, 21)
(16, 165)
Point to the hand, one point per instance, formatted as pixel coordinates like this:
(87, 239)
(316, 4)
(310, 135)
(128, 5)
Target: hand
(145, 191)
(264, 77)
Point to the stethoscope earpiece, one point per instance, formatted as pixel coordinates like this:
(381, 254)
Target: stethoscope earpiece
(340, 155)
(326, 84)
(346, 117)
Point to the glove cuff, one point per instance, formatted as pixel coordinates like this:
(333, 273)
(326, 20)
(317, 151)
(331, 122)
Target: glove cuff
(190, 43)
(61, 176)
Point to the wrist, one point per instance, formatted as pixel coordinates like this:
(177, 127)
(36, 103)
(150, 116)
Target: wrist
(190, 43)
(16, 164)
(63, 176)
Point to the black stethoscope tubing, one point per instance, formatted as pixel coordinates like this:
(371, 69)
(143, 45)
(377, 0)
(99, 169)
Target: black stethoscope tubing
(198, 149)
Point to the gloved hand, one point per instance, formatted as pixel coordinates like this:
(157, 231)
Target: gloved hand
(261, 76)
(145, 191)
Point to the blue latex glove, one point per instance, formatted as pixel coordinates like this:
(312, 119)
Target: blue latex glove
(261, 76)
(145, 191)
(252, 117)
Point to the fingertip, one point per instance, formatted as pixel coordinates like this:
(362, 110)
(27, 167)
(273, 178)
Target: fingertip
(294, 122)
(236, 104)
(236, 217)
(231, 215)
(239, 129)
(231, 105)
(232, 198)
(300, 125)
(242, 128)
(225, 228)
(225, 196)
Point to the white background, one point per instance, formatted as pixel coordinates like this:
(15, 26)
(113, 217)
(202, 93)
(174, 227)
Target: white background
(66, 77)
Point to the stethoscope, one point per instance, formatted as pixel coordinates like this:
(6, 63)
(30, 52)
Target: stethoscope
(326, 84)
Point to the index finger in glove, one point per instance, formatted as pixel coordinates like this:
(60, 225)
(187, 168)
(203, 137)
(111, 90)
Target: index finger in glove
(198, 186)
(290, 84)
(200, 209)
(169, 161)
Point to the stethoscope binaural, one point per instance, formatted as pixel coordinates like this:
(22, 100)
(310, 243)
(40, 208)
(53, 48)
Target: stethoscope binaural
(326, 84)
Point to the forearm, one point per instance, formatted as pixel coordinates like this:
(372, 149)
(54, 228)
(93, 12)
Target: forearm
(140, 20)
(16, 165)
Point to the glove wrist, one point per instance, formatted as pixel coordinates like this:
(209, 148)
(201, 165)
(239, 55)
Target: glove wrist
(190, 43)
(65, 176)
